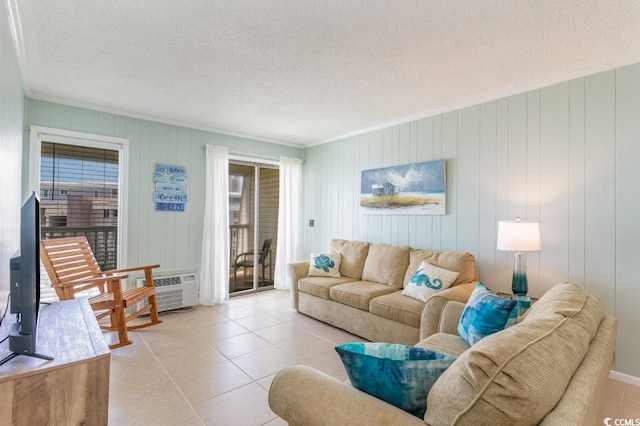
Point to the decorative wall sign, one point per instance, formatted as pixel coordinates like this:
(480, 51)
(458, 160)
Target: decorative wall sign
(171, 185)
(416, 189)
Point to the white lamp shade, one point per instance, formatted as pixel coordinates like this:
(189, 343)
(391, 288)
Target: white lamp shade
(515, 235)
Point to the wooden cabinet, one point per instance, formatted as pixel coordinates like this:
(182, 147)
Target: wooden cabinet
(73, 388)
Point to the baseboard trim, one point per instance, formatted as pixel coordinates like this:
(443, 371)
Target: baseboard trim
(632, 380)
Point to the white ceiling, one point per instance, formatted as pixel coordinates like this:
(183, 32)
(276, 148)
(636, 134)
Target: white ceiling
(307, 71)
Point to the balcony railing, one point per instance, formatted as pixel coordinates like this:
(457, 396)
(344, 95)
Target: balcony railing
(102, 239)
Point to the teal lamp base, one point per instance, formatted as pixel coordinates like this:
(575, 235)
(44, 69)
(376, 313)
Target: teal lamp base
(519, 284)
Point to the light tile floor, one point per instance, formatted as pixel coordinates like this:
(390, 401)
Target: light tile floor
(214, 365)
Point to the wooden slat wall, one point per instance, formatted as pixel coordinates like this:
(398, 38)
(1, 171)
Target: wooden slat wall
(566, 155)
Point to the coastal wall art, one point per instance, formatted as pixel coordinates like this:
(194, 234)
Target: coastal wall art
(170, 188)
(415, 189)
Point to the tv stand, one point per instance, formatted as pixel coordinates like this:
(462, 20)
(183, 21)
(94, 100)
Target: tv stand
(72, 388)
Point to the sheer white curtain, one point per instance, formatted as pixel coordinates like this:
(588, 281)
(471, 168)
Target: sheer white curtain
(289, 220)
(214, 267)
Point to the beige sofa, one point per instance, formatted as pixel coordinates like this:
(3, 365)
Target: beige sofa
(550, 368)
(366, 299)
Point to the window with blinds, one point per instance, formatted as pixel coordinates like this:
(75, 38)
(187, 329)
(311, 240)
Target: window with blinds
(79, 196)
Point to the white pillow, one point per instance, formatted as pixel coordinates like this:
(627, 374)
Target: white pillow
(324, 265)
(428, 280)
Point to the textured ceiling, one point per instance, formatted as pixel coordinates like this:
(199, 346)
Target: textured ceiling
(307, 71)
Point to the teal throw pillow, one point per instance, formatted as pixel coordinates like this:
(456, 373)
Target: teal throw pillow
(324, 265)
(398, 374)
(485, 313)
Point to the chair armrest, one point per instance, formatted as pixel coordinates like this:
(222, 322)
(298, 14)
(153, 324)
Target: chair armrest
(302, 395)
(135, 268)
(70, 288)
(434, 317)
(297, 270)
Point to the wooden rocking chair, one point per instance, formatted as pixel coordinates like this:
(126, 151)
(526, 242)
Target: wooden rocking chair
(73, 268)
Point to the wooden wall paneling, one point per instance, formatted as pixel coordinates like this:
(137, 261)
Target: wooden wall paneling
(436, 228)
(404, 157)
(61, 117)
(627, 208)
(134, 134)
(533, 183)
(195, 204)
(412, 153)
(349, 184)
(85, 120)
(375, 146)
(355, 194)
(488, 222)
(468, 199)
(171, 154)
(449, 222)
(554, 180)
(365, 151)
(577, 181)
(600, 255)
(504, 260)
(424, 152)
(517, 157)
(335, 151)
(313, 201)
(106, 124)
(43, 114)
(143, 187)
(181, 151)
(161, 244)
(385, 232)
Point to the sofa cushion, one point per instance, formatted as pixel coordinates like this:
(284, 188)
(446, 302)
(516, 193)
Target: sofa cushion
(319, 286)
(353, 254)
(518, 375)
(485, 313)
(428, 280)
(396, 307)
(386, 264)
(567, 299)
(464, 263)
(324, 265)
(446, 343)
(398, 374)
(359, 293)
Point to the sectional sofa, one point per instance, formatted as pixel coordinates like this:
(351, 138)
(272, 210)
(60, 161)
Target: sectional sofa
(551, 368)
(367, 300)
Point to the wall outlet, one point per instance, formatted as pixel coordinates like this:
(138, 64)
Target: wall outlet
(311, 223)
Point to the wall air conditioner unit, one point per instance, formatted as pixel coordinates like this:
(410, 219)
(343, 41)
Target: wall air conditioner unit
(173, 291)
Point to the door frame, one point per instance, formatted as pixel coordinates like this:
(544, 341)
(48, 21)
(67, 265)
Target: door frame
(256, 163)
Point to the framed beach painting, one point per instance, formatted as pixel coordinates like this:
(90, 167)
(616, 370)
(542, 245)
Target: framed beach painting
(416, 189)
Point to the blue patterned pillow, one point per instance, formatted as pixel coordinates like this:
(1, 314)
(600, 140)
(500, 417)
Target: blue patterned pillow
(398, 374)
(485, 313)
(324, 265)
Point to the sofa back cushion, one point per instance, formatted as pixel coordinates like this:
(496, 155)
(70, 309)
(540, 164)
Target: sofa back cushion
(353, 255)
(518, 375)
(463, 263)
(386, 264)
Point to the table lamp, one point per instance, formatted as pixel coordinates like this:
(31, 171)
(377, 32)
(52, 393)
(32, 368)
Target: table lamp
(519, 236)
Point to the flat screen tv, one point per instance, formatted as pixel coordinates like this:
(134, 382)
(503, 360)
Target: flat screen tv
(24, 297)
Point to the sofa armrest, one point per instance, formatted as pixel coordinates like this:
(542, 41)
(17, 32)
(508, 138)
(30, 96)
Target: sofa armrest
(297, 270)
(301, 395)
(438, 316)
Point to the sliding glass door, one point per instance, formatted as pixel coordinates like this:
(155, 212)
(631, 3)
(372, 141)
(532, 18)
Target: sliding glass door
(253, 223)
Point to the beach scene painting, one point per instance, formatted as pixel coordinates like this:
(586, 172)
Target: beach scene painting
(416, 189)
